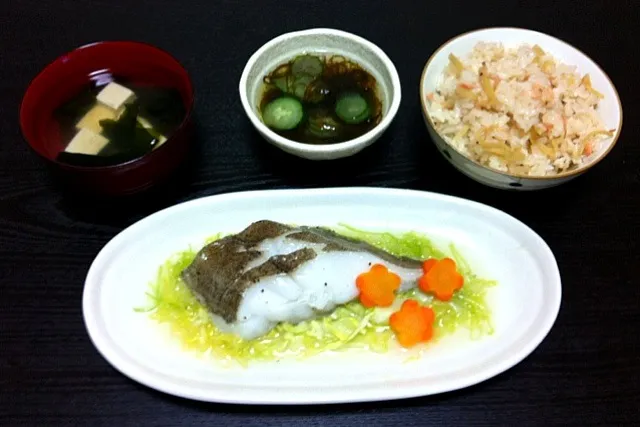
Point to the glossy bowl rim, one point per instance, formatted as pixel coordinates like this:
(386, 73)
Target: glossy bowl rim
(394, 102)
(566, 174)
(140, 159)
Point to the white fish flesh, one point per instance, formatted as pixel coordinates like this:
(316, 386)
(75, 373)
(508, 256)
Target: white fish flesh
(271, 273)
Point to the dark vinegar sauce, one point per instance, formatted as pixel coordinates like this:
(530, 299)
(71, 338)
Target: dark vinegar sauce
(339, 76)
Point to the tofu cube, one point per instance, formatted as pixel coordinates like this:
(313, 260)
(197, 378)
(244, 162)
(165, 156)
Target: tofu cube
(87, 141)
(91, 120)
(115, 96)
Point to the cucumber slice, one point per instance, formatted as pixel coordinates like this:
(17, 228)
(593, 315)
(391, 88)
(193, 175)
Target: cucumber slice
(283, 113)
(316, 92)
(323, 126)
(352, 108)
(281, 83)
(300, 85)
(307, 64)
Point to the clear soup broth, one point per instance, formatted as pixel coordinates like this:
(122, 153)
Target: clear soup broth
(112, 120)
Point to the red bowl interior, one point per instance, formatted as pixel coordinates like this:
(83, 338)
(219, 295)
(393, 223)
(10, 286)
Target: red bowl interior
(139, 63)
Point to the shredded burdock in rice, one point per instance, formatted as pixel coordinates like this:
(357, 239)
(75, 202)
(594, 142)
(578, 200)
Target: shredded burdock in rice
(518, 110)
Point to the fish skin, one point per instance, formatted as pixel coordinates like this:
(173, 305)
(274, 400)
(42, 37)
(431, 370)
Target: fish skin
(224, 271)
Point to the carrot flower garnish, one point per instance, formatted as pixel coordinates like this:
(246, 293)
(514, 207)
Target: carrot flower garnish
(440, 278)
(378, 286)
(413, 324)
(426, 266)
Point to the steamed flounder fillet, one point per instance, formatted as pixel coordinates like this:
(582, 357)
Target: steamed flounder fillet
(271, 273)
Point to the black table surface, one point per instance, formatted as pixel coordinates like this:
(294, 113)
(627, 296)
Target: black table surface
(585, 372)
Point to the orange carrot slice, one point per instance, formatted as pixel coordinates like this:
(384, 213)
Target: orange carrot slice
(440, 278)
(412, 324)
(377, 286)
(588, 149)
(428, 264)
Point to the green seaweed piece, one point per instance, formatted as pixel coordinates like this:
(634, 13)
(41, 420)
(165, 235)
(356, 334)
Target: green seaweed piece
(126, 135)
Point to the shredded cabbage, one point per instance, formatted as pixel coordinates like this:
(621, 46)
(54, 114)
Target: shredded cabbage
(349, 326)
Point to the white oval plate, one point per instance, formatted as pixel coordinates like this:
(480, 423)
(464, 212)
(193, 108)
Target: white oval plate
(524, 304)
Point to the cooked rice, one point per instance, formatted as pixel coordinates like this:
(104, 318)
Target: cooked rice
(518, 110)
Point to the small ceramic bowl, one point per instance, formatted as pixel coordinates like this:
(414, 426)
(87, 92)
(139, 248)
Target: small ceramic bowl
(609, 109)
(284, 48)
(64, 77)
